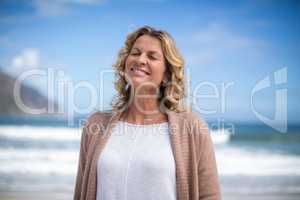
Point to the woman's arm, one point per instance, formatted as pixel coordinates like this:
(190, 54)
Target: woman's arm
(208, 179)
(209, 187)
(81, 165)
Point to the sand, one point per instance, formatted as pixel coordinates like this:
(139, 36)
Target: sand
(67, 196)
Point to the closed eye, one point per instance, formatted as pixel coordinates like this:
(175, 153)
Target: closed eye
(135, 53)
(152, 57)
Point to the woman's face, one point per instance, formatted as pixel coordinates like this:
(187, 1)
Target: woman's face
(145, 64)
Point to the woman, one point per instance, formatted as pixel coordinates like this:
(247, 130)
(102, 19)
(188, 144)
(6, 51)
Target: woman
(149, 146)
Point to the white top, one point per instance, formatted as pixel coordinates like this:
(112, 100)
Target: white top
(137, 163)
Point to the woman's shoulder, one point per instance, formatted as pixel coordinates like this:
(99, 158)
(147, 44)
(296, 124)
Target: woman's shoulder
(191, 117)
(97, 121)
(99, 116)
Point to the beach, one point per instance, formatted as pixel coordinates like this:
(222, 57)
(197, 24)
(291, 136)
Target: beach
(40, 162)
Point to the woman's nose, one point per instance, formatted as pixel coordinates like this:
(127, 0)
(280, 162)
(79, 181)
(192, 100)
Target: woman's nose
(142, 59)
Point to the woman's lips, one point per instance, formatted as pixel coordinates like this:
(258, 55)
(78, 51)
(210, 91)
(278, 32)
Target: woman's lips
(139, 72)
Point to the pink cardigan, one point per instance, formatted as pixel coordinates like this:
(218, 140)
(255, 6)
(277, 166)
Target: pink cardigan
(196, 170)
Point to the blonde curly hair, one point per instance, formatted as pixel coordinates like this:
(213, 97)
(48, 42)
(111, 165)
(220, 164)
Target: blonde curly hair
(173, 91)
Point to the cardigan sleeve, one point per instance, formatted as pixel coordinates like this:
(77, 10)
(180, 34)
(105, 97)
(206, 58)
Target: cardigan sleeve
(81, 165)
(209, 188)
(92, 127)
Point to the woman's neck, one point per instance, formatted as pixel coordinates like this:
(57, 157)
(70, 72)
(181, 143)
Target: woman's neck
(144, 111)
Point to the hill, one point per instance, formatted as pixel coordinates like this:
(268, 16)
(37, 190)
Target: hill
(31, 97)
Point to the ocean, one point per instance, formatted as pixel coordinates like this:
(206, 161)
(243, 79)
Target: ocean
(252, 162)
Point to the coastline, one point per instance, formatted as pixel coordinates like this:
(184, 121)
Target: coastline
(35, 195)
(68, 195)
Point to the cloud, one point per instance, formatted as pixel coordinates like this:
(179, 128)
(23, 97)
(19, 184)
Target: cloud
(218, 35)
(37, 75)
(51, 8)
(22, 63)
(41, 8)
(28, 59)
(215, 41)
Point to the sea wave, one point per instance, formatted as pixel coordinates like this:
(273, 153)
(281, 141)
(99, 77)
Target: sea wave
(40, 133)
(50, 151)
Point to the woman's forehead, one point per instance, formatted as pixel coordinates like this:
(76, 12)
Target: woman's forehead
(148, 43)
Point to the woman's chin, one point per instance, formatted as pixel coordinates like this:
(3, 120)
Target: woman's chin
(140, 82)
(143, 88)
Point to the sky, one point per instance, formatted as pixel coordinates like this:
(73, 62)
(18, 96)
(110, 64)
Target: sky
(234, 51)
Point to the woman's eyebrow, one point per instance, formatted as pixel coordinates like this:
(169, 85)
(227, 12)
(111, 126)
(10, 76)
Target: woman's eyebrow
(151, 51)
(135, 48)
(155, 52)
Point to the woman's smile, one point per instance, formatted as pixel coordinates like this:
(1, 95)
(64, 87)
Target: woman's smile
(137, 71)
